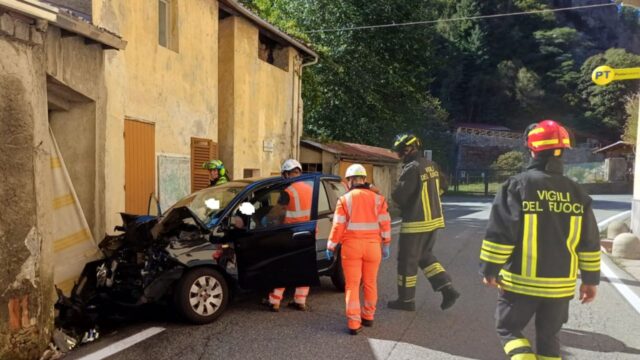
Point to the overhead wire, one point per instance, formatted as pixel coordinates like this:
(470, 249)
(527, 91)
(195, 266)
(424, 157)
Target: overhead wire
(478, 17)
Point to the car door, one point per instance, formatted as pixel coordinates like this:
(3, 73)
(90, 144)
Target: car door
(329, 192)
(271, 253)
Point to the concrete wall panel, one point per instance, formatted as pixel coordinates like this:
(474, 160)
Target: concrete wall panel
(26, 305)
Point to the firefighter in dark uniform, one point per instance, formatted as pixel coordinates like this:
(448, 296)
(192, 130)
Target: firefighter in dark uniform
(541, 231)
(418, 196)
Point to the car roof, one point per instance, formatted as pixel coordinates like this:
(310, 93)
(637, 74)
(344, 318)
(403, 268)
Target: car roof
(265, 180)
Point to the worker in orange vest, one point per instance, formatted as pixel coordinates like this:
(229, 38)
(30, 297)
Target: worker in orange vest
(361, 223)
(296, 201)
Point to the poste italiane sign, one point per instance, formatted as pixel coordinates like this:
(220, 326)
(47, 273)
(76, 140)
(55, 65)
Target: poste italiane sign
(604, 75)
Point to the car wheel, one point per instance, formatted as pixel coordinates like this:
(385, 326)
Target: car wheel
(337, 277)
(202, 295)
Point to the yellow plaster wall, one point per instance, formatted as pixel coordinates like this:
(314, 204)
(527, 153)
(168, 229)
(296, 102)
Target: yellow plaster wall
(260, 102)
(175, 90)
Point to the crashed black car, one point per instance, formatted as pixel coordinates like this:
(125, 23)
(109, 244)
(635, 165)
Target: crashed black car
(210, 243)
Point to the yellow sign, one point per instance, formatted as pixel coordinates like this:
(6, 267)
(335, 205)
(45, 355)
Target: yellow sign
(604, 75)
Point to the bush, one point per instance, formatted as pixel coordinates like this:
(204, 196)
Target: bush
(512, 160)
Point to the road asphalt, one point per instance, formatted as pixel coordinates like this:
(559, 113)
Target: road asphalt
(609, 328)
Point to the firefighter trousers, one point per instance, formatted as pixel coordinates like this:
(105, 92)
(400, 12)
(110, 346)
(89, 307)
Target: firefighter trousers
(416, 250)
(513, 313)
(360, 263)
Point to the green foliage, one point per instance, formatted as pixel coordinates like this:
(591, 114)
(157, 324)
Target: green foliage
(371, 84)
(604, 106)
(512, 160)
(631, 125)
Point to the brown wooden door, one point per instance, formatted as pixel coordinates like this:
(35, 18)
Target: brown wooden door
(139, 165)
(202, 150)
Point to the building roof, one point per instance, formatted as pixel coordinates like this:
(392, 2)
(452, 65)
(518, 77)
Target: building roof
(492, 127)
(355, 152)
(235, 8)
(66, 21)
(616, 146)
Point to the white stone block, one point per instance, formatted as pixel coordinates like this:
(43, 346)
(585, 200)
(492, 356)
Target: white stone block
(626, 246)
(616, 228)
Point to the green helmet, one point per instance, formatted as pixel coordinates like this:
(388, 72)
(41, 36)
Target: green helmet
(404, 140)
(215, 165)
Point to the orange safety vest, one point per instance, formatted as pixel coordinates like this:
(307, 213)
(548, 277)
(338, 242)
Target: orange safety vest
(360, 214)
(299, 207)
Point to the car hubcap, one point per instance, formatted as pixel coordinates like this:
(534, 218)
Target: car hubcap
(205, 295)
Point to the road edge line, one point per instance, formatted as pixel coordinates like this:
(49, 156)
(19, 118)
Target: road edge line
(123, 344)
(632, 298)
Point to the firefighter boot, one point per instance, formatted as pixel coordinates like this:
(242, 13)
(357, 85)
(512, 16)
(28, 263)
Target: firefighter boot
(406, 294)
(449, 297)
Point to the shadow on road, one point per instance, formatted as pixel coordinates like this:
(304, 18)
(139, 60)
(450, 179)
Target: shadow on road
(591, 341)
(621, 281)
(610, 205)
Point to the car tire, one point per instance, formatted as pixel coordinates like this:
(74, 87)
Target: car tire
(337, 277)
(202, 295)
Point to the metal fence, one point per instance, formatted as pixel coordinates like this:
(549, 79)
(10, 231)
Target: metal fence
(480, 181)
(586, 173)
(488, 181)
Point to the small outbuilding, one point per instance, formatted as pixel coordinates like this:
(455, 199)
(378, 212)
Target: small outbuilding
(382, 164)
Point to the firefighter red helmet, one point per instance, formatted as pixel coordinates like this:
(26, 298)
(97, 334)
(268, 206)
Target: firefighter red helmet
(547, 135)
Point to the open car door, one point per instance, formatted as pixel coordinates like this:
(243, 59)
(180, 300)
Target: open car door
(273, 254)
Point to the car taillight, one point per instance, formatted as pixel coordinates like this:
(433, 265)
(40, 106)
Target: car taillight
(217, 254)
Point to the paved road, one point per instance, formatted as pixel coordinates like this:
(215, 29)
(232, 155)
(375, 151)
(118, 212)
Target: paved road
(608, 328)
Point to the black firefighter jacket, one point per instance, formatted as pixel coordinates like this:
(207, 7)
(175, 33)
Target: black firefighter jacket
(418, 196)
(541, 231)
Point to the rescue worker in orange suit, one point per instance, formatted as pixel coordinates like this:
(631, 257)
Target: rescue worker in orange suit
(541, 231)
(295, 201)
(361, 224)
(417, 193)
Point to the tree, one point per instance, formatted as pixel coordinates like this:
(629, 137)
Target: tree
(604, 106)
(631, 124)
(368, 85)
(512, 160)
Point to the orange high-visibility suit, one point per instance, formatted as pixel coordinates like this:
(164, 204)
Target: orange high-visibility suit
(361, 223)
(298, 209)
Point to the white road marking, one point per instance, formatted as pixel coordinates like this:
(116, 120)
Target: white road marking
(123, 344)
(631, 297)
(622, 288)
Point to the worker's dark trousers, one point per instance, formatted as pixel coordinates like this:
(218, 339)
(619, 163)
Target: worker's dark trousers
(513, 313)
(417, 250)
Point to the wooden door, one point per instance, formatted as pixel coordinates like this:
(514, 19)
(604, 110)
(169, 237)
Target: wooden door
(202, 150)
(139, 165)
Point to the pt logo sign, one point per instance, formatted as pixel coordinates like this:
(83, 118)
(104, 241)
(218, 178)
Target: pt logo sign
(604, 75)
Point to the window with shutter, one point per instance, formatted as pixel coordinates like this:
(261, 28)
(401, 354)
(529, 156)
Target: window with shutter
(202, 150)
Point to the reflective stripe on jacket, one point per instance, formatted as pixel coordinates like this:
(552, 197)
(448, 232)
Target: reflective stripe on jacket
(360, 214)
(417, 193)
(299, 206)
(541, 231)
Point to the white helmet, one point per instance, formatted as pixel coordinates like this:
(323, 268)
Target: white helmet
(290, 164)
(356, 170)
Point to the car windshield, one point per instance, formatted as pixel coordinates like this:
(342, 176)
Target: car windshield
(208, 204)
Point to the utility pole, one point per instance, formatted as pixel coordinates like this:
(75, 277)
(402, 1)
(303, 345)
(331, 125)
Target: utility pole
(602, 76)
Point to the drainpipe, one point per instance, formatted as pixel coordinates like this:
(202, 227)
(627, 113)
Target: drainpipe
(299, 96)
